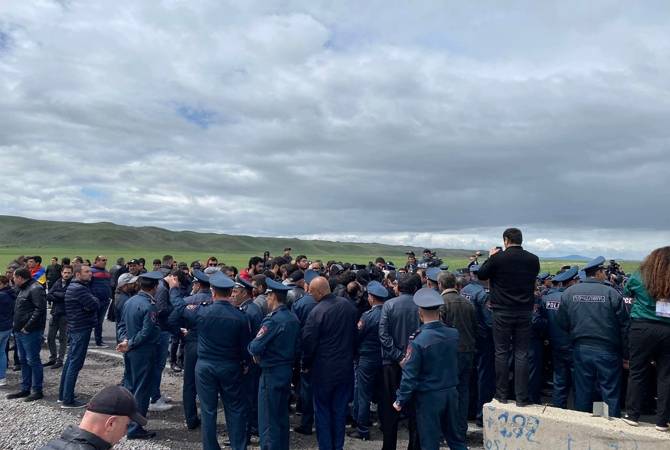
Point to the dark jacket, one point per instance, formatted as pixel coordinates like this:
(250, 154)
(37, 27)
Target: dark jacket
(101, 285)
(164, 306)
(138, 324)
(56, 297)
(7, 299)
(30, 308)
(512, 276)
(53, 273)
(329, 341)
(369, 346)
(399, 320)
(459, 313)
(276, 342)
(81, 307)
(74, 438)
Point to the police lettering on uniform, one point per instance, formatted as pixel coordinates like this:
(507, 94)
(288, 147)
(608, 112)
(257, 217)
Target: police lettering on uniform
(223, 336)
(595, 316)
(139, 340)
(274, 349)
(559, 339)
(369, 367)
(200, 294)
(430, 376)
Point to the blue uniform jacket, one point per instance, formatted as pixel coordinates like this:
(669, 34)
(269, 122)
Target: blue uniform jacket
(329, 341)
(551, 303)
(81, 307)
(276, 342)
(254, 315)
(399, 319)
(175, 319)
(479, 297)
(120, 300)
(101, 285)
(369, 345)
(431, 362)
(140, 325)
(302, 307)
(594, 314)
(223, 330)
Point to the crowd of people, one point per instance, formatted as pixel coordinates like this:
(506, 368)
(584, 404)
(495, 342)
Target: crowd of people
(328, 340)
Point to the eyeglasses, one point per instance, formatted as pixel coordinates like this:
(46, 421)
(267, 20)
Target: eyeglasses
(211, 265)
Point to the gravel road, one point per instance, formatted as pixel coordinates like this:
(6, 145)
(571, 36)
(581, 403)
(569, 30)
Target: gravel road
(29, 425)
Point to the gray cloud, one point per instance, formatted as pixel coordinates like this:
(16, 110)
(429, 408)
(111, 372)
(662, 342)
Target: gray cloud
(424, 125)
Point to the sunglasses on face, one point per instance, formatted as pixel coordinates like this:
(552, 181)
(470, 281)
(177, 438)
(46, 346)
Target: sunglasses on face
(211, 265)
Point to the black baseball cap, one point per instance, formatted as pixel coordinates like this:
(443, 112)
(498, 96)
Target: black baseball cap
(116, 401)
(133, 261)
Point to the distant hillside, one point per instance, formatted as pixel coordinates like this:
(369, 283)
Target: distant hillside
(19, 232)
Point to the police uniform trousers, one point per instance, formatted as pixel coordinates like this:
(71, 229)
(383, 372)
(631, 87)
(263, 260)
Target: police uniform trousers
(368, 386)
(250, 382)
(464, 370)
(597, 371)
(562, 362)
(189, 391)
(437, 415)
(388, 416)
(224, 379)
(486, 374)
(307, 401)
(273, 395)
(535, 366)
(141, 362)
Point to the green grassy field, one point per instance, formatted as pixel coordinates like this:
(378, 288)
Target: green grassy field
(240, 260)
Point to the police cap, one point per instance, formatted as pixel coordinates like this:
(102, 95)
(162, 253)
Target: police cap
(378, 290)
(310, 275)
(276, 286)
(296, 275)
(428, 298)
(432, 273)
(242, 283)
(444, 267)
(543, 276)
(154, 275)
(200, 276)
(567, 275)
(595, 263)
(219, 280)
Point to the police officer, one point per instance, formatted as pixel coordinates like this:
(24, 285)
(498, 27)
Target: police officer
(223, 336)
(478, 293)
(595, 316)
(538, 329)
(369, 368)
(139, 340)
(274, 349)
(430, 375)
(432, 273)
(242, 293)
(201, 294)
(301, 309)
(559, 339)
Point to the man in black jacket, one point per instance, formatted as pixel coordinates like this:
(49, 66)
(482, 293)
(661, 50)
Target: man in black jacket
(512, 276)
(30, 313)
(58, 322)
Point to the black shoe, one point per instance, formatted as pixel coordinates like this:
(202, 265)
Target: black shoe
(16, 367)
(19, 394)
(143, 434)
(522, 404)
(58, 365)
(34, 396)
(358, 435)
(51, 362)
(504, 401)
(74, 405)
(303, 430)
(194, 425)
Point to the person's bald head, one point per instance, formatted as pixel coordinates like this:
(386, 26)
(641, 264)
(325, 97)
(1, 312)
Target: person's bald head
(319, 288)
(107, 427)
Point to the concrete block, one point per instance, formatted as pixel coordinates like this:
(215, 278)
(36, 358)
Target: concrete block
(508, 427)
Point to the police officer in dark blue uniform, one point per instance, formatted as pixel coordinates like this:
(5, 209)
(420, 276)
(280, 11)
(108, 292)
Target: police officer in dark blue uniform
(201, 294)
(430, 375)
(301, 308)
(139, 341)
(223, 336)
(242, 293)
(369, 368)
(478, 293)
(536, 351)
(595, 316)
(274, 349)
(431, 275)
(559, 339)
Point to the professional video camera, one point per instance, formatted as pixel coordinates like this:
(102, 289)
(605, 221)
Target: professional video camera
(614, 269)
(429, 259)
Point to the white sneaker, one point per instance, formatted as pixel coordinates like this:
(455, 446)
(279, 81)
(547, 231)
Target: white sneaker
(3, 381)
(663, 428)
(159, 406)
(631, 422)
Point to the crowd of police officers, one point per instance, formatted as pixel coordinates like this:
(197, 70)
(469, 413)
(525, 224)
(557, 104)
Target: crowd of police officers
(417, 341)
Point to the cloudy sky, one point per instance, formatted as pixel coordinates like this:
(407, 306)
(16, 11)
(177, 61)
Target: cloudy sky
(437, 124)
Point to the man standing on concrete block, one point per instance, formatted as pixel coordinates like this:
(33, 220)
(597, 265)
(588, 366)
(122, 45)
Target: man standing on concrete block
(512, 274)
(595, 316)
